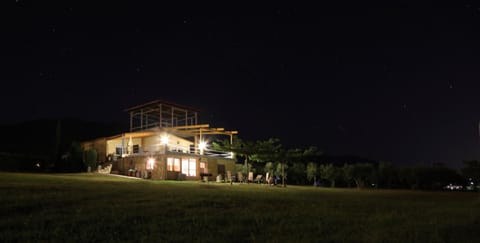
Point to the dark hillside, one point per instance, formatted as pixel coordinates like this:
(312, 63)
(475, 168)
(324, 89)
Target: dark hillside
(39, 139)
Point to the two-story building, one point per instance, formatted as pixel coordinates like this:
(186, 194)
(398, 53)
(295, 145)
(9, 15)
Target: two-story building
(164, 142)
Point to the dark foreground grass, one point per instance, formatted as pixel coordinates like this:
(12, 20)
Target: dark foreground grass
(101, 208)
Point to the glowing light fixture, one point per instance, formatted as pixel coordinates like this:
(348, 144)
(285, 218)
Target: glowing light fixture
(202, 145)
(164, 139)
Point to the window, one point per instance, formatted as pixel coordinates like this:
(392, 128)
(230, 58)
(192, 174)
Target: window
(169, 164)
(173, 164)
(136, 148)
(176, 165)
(203, 168)
(185, 166)
(118, 150)
(192, 167)
(189, 167)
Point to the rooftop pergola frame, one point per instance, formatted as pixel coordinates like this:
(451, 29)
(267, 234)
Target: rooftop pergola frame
(161, 114)
(166, 117)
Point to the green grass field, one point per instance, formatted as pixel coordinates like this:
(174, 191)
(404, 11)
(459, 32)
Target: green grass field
(102, 208)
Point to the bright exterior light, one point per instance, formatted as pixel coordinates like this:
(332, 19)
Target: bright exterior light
(202, 145)
(150, 163)
(164, 139)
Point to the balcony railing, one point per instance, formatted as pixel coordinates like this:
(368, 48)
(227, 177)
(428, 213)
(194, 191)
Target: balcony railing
(209, 153)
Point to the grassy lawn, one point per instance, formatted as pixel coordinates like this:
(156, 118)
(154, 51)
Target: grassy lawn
(102, 208)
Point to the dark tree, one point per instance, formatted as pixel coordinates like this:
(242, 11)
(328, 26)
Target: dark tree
(312, 172)
(297, 173)
(72, 161)
(90, 159)
(362, 174)
(471, 170)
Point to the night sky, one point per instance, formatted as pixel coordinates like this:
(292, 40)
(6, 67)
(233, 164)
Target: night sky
(396, 82)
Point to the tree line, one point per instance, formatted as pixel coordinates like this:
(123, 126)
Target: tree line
(310, 166)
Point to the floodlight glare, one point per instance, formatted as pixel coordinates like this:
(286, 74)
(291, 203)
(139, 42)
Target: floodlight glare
(202, 145)
(164, 139)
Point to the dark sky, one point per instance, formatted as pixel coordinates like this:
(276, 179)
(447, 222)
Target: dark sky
(391, 82)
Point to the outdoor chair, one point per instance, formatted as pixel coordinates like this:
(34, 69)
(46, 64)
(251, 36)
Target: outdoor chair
(240, 177)
(229, 177)
(258, 179)
(250, 176)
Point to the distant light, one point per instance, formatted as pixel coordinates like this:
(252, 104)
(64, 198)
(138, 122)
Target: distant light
(164, 139)
(150, 163)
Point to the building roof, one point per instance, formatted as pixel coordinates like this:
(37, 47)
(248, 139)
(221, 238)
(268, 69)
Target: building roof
(183, 131)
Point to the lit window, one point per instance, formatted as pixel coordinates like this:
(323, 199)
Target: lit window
(189, 167)
(192, 167)
(202, 167)
(176, 165)
(185, 166)
(173, 164)
(169, 164)
(150, 163)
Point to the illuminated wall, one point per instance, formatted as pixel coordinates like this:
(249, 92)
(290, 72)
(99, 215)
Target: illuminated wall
(113, 144)
(169, 166)
(151, 144)
(178, 144)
